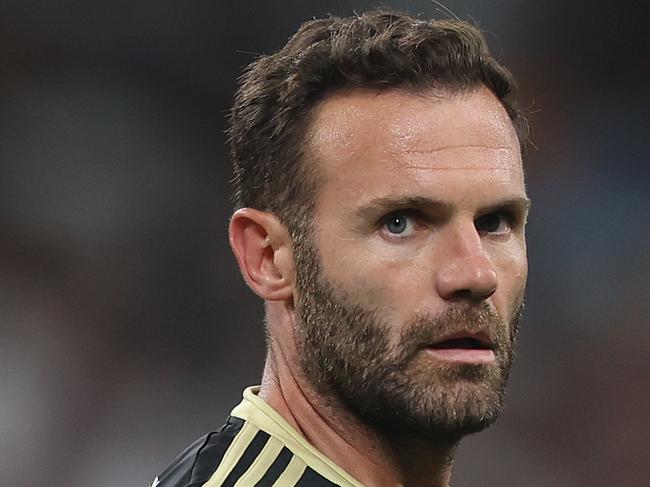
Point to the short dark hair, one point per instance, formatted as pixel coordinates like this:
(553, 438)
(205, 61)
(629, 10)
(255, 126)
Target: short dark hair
(377, 50)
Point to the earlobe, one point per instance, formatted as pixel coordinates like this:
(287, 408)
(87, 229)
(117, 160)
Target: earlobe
(262, 247)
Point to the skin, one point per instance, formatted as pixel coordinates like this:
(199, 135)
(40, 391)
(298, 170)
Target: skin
(451, 165)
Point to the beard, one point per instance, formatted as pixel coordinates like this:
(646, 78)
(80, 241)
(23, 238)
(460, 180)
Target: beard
(345, 353)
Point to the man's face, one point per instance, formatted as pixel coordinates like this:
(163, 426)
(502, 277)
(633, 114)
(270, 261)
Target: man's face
(411, 284)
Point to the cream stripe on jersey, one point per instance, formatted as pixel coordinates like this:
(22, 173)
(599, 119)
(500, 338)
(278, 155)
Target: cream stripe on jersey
(254, 409)
(291, 474)
(261, 464)
(233, 454)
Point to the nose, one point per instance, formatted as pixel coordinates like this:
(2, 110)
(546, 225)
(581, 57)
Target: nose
(466, 272)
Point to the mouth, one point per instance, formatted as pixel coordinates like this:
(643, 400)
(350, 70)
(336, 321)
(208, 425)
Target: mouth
(464, 347)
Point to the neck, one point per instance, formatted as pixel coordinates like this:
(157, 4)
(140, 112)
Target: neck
(364, 453)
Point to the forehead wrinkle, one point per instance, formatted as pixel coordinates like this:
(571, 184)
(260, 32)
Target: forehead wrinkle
(451, 147)
(459, 168)
(394, 130)
(500, 160)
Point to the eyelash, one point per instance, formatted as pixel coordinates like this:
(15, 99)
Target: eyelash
(507, 216)
(416, 217)
(413, 216)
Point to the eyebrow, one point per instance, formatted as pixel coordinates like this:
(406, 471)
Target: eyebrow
(388, 203)
(520, 203)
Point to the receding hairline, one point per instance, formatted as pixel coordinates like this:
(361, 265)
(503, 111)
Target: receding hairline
(309, 154)
(377, 51)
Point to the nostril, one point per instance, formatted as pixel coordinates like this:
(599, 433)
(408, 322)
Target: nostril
(472, 295)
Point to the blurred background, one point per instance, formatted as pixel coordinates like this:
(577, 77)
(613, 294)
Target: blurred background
(125, 329)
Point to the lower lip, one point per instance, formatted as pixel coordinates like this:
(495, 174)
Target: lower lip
(462, 355)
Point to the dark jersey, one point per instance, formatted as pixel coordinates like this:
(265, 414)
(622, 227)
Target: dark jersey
(255, 447)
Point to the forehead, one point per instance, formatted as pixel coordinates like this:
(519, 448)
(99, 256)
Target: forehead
(397, 141)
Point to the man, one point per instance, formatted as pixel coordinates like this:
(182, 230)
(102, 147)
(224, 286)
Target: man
(380, 214)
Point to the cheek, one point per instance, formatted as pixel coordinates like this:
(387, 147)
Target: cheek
(394, 286)
(512, 272)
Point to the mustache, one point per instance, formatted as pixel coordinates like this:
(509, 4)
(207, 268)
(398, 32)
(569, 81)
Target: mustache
(424, 330)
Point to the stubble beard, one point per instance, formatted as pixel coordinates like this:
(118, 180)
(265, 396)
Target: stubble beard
(345, 353)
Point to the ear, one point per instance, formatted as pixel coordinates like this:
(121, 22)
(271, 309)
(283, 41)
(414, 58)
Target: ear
(262, 246)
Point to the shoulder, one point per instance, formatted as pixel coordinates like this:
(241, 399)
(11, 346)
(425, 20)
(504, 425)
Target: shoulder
(256, 447)
(194, 466)
(240, 453)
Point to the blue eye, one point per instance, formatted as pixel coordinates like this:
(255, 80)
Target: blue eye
(401, 224)
(396, 224)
